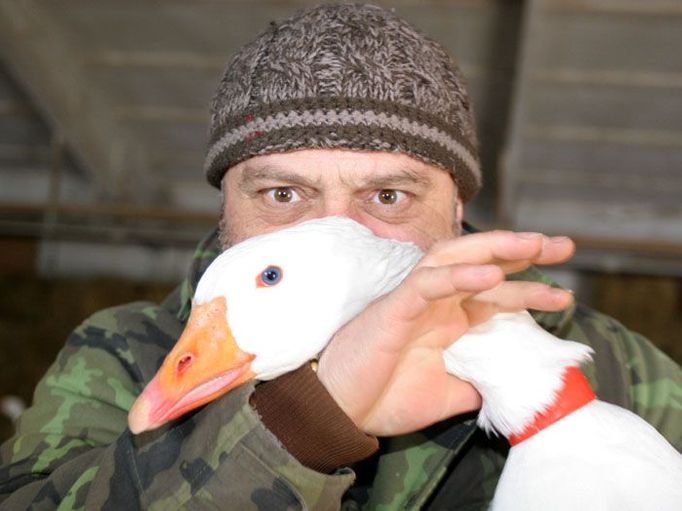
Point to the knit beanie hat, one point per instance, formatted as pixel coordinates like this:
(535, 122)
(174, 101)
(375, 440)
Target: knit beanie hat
(344, 76)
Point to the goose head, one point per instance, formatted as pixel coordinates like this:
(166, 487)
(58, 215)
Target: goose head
(266, 306)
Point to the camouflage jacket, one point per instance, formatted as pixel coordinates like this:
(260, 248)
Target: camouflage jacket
(72, 449)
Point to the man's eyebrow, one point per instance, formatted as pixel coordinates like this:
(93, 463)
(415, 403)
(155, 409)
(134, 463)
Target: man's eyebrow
(402, 177)
(274, 173)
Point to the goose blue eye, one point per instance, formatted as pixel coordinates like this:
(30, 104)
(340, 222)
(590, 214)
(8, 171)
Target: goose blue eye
(271, 276)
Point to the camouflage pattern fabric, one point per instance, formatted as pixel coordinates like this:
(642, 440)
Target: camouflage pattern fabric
(72, 449)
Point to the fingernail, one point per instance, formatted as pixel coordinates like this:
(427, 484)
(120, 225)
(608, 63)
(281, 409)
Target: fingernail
(559, 239)
(561, 293)
(528, 235)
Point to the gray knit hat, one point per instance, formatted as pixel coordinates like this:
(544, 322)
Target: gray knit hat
(344, 76)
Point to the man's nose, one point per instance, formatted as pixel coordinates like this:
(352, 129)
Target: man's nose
(340, 208)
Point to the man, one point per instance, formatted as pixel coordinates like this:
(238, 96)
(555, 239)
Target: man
(341, 110)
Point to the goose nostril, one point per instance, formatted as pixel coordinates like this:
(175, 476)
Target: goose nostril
(184, 362)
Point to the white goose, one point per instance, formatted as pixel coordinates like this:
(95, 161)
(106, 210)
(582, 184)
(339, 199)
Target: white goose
(271, 303)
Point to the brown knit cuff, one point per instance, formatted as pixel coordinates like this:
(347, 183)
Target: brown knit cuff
(346, 123)
(300, 412)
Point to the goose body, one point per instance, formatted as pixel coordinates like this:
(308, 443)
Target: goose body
(271, 303)
(596, 457)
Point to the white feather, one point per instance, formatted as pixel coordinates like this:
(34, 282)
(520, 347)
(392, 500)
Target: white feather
(515, 365)
(597, 458)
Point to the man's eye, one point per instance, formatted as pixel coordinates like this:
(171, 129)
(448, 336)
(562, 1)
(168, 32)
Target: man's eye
(283, 194)
(389, 197)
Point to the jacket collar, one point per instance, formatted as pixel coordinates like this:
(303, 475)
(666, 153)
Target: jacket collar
(208, 249)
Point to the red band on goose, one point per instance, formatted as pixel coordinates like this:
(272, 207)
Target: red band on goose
(575, 393)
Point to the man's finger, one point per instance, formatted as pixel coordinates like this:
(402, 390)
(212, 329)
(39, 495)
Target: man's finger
(514, 296)
(485, 247)
(427, 284)
(434, 283)
(511, 251)
(555, 249)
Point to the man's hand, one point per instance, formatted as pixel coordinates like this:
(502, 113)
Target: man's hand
(385, 367)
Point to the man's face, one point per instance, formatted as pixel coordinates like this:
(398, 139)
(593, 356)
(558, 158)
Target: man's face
(394, 195)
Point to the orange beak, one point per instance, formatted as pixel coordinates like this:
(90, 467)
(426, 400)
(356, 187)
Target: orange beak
(204, 364)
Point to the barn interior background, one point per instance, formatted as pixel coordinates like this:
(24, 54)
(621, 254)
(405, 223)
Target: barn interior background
(103, 115)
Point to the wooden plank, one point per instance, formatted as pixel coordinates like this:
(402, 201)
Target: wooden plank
(592, 157)
(607, 106)
(596, 139)
(24, 138)
(22, 130)
(172, 26)
(156, 87)
(147, 71)
(642, 182)
(43, 55)
(584, 41)
(633, 220)
(599, 194)
(604, 77)
(618, 7)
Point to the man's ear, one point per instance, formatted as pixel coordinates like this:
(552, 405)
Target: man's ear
(459, 210)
